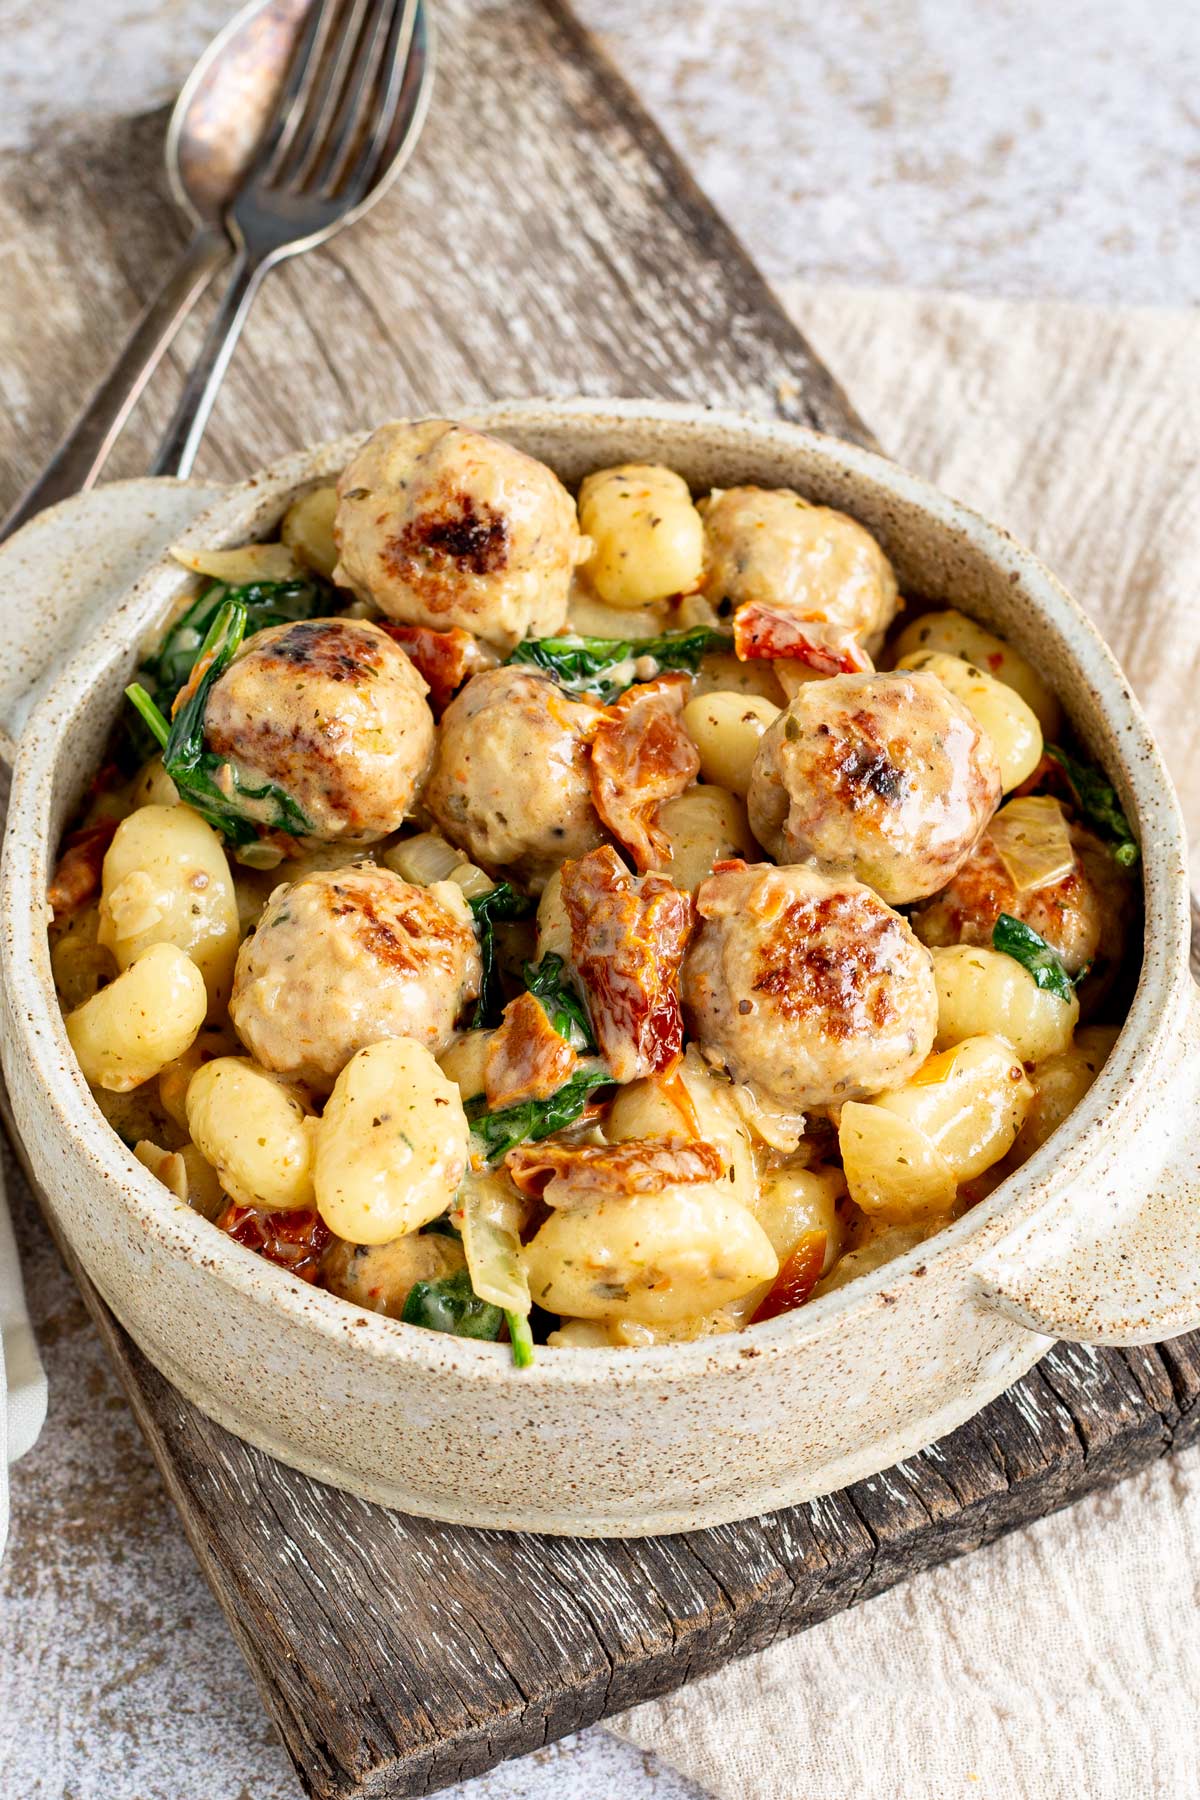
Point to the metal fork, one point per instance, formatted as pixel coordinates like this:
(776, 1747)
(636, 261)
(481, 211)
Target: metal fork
(350, 108)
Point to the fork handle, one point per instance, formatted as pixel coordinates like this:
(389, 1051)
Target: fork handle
(181, 441)
(79, 458)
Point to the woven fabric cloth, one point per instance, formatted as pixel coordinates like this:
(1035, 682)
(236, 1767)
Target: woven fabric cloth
(1064, 1661)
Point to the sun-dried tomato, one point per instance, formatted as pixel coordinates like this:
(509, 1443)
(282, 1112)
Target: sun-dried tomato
(76, 880)
(628, 938)
(797, 1278)
(777, 635)
(579, 1174)
(293, 1240)
(641, 756)
(526, 1059)
(444, 659)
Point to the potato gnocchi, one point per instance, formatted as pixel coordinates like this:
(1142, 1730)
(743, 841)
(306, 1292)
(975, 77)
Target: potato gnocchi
(583, 921)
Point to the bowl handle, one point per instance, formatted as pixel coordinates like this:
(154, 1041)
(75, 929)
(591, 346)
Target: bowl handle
(1117, 1260)
(63, 573)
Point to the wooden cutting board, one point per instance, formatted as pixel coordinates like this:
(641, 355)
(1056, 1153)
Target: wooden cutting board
(545, 239)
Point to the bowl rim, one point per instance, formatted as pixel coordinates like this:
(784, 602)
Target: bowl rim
(37, 1023)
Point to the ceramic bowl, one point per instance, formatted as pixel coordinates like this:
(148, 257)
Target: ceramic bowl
(1096, 1238)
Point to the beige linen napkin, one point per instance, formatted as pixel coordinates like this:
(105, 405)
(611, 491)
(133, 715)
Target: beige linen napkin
(1064, 1662)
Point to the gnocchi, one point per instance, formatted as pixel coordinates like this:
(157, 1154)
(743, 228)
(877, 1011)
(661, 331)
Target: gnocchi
(691, 1102)
(655, 1258)
(703, 826)
(391, 1144)
(953, 634)
(256, 1132)
(647, 538)
(969, 1102)
(582, 902)
(790, 1202)
(727, 730)
(1060, 1083)
(166, 881)
(131, 1029)
(983, 993)
(1010, 725)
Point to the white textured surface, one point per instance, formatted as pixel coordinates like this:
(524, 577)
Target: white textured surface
(1018, 147)
(1006, 146)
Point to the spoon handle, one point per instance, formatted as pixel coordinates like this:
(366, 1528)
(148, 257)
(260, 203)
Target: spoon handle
(79, 458)
(181, 440)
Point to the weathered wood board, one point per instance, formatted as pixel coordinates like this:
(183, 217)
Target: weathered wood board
(545, 239)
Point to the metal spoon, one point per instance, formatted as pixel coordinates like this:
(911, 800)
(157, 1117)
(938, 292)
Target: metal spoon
(343, 123)
(212, 142)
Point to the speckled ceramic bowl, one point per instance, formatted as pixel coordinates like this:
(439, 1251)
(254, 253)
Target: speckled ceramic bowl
(1097, 1238)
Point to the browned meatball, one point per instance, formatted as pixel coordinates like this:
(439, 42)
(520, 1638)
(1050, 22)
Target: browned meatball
(1082, 915)
(441, 525)
(380, 1277)
(348, 957)
(333, 712)
(510, 783)
(770, 547)
(884, 777)
(811, 989)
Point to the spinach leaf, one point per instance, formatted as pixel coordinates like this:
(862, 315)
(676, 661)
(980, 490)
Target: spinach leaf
(579, 663)
(497, 1133)
(1030, 949)
(1098, 805)
(442, 1226)
(501, 902)
(452, 1305)
(564, 1008)
(206, 781)
(266, 603)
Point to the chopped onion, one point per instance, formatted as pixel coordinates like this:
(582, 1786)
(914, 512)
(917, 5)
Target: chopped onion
(471, 880)
(893, 1170)
(424, 859)
(778, 1126)
(1033, 841)
(491, 1215)
(251, 562)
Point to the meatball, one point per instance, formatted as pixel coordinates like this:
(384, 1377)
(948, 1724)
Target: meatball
(770, 547)
(510, 783)
(440, 525)
(333, 712)
(884, 777)
(380, 1277)
(345, 958)
(811, 989)
(1082, 916)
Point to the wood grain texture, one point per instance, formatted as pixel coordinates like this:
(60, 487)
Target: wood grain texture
(545, 239)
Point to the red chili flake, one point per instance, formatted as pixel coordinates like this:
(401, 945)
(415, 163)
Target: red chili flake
(292, 1240)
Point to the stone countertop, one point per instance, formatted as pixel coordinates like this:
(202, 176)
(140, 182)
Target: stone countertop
(1000, 146)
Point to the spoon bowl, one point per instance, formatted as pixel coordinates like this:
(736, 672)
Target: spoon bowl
(214, 134)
